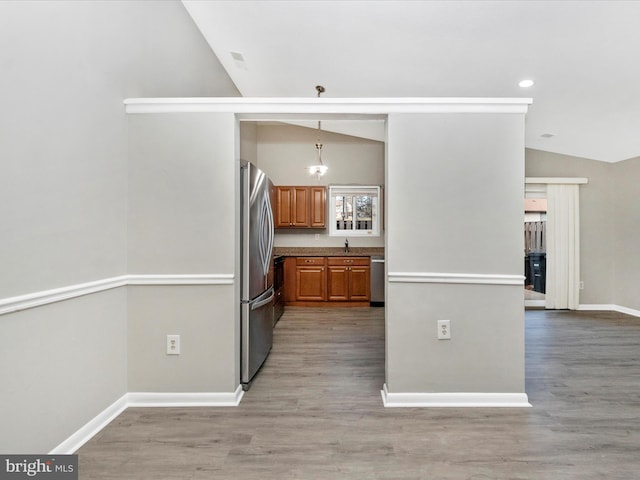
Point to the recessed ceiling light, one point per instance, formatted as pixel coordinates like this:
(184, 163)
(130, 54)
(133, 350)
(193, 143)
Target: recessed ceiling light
(525, 83)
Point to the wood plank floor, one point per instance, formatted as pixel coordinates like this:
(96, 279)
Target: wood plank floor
(315, 412)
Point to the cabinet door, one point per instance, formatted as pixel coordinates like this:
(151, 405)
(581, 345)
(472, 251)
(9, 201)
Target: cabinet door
(311, 283)
(301, 207)
(338, 283)
(359, 283)
(318, 206)
(284, 206)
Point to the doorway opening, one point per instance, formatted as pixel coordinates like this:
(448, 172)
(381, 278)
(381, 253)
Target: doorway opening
(561, 240)
(308, 279)
(535, 245)
(535, 221)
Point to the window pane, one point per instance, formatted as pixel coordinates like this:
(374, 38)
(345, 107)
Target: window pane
(344, 212)
(364, 211)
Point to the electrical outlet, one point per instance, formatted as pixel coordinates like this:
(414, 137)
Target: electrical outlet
(317, 236)
(444, 330)
(173, 344)
(581, 284)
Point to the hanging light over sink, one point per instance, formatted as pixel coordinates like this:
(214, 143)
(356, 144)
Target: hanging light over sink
(319, 168)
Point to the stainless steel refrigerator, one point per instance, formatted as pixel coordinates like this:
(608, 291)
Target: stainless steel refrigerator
(257, 293)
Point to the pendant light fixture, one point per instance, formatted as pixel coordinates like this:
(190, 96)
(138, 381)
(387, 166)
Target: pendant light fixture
(319, 168)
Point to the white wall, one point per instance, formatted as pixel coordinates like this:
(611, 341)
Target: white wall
(65, 362)
(626, 255)
(66, 68)
(249, 142)
(180, 209)
(205, 318)
(442, 170)
(285, 152)
(182, 222)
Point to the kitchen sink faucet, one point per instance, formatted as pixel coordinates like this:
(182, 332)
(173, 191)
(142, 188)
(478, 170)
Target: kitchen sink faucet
(346, 245)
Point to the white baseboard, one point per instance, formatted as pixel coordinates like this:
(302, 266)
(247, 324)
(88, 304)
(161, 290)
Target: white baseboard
(596, 307)
(609, 308)
(205, 399)
(628, 311)
(454, 399)
(145, 399)
(90, 429)
(535, 303)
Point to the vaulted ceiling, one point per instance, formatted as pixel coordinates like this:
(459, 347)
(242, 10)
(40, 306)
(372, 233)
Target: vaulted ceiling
(584, 57)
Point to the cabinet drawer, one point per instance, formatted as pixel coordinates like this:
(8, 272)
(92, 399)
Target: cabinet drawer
(349, 261)
(301, 261)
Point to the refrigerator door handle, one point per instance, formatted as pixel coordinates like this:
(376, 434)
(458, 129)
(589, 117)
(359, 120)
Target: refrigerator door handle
(261, 300)
(266, 226)
(271, 229)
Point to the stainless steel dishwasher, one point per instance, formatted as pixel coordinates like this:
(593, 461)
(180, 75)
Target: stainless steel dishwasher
(377, 281)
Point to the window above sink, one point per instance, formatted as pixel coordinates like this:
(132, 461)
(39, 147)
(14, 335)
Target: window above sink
(354, 211)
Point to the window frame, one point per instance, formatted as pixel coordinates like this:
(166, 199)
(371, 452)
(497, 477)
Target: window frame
(376, 214)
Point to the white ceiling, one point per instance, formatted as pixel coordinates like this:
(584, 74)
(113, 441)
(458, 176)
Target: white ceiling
(584, 57)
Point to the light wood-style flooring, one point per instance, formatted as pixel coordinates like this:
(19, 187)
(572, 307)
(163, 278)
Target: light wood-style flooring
(315, 412)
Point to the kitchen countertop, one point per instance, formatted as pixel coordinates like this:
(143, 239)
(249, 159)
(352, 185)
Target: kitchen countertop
(328, 251)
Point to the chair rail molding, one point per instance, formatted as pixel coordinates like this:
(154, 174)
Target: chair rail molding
(44, 297)
(557, 180)
(468, 278)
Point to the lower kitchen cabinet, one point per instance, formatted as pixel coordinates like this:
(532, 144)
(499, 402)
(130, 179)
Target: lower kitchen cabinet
(348, 279)
(311, 279)
(360, 284)
(336, 280)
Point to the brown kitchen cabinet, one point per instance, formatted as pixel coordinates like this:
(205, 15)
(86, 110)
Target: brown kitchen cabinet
(311, 279)
(318, 206)
(332, 281)
(348, 279)
(300, 207)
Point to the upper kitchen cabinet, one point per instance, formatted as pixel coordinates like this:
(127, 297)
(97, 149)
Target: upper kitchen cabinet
(300, 207)
(287, 212)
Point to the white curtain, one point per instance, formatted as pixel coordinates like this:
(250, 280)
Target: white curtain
(563, 247)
